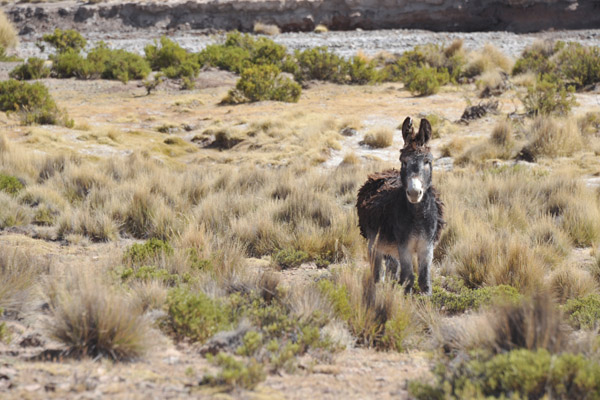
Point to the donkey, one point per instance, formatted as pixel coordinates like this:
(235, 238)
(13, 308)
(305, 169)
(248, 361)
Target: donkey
(400, 213)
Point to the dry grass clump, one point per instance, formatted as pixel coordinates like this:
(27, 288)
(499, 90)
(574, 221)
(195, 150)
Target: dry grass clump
(553, 138)
(500, 145)
(351, 159)
(8, 34)
(490, 58)
(513, 226)
(321, 29)
(19, 272)
(571, 282)
(266, 29)
(95, 320)
(379, 138)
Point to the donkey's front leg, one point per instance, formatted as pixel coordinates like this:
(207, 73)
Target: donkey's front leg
(425, 256)
(407, 276)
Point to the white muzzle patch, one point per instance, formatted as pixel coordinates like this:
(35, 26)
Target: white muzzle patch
(414, 191)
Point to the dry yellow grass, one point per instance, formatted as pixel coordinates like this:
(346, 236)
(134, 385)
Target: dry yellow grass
(8, 34)
(379, 138)
(266, 29)
(488, 59)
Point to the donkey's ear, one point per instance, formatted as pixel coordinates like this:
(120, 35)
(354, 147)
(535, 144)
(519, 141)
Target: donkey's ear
(408, 130)
(424, 132)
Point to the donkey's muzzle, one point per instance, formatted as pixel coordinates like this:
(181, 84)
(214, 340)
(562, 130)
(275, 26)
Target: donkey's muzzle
(414, 191)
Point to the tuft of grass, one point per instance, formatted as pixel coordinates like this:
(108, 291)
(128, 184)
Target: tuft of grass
(266, 29)
(571, 282)
(92, 319)
(19, 272)
(321, 29)
(553, 138)
(379, 138)
(8, 34)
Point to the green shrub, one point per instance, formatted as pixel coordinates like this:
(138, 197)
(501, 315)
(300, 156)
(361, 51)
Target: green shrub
(361, 71)
(320, 64)
(517, 374)
(584, 312)
(580, 65)
(33, 101)
(6, 58)
(235, 373)
(233, 59)
(449, 60)
(34, 68)
(548, 97)
(241, 51)
(537, 58)
(263, 82)
(117, 64)
(425, 80)
(196, 316)
(290, 258)
(339, 298)
(472, 299)
(101, 62)
(140, 253)
(70, 63)
(173, 60)
(65, 40)
(10, 184)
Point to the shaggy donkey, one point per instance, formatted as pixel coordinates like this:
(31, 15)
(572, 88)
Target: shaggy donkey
(400, 213)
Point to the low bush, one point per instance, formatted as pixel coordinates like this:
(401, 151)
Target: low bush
(196, 316)
(362, 71)
(173, 60)
(425, 80)
(34, 68)
(101, 62)
(584, 313)
(33, 102)
(263, 82)
(141, 253)
(536, 58)
(319, 63)
(290, 258)
(548, 97)
(472, 299)
(10, 184)
(449, 60)
(235, 373)
(580, 65)
(550, 137)
(67, 40)
(516, 374)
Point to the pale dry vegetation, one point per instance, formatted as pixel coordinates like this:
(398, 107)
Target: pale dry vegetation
(221, 230)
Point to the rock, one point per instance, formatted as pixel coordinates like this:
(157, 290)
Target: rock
(226, 341)
(349, 131)
(300, 15)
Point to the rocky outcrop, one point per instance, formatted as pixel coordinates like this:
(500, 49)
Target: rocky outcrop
(304, 15)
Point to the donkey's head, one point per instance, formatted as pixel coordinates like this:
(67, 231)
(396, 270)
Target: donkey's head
(416, 160)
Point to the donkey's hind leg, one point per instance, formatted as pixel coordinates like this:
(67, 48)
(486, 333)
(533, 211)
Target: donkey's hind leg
(376, 259)
(425, 256)
(392, 267)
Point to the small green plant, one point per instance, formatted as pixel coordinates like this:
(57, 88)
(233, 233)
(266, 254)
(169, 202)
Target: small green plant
(516, 374)
(65, 40)
(339, 298)
(235, 373)
(362, 71)
(148, 273)
(548, 97)
(10, 184)
(6, 58)
(584, 312)
(472, 299)
(425, 80)
(140, 253)
(252, 342)
(264, 82)
(196, 316)
(290, 258)
(33, 102)
(34, 68)
(580, 65)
